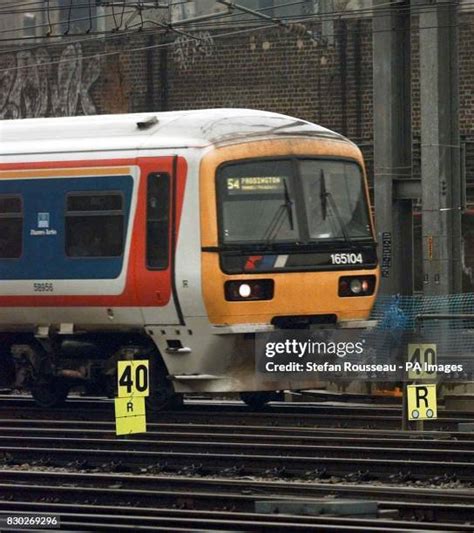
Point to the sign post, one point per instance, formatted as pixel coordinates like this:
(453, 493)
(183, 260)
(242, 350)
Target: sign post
(133, 385)
(419, 399)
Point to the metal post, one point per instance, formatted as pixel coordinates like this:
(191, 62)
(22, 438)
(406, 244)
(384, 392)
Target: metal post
(405, 406)
(440, 147)
(392, 142)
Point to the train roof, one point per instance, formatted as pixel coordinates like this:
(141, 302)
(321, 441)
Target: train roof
(173, 129)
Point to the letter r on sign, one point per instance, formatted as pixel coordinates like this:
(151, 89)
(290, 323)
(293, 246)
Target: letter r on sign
(421, 396)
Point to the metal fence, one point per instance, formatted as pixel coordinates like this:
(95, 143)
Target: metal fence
(447, 321)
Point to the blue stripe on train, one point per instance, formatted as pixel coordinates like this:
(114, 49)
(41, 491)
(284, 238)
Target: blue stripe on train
(44, 256)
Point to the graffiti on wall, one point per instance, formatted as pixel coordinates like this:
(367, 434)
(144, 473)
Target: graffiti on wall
(187, 50)
(33, 83)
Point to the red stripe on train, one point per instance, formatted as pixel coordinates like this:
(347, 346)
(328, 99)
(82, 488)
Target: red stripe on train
(143, 287)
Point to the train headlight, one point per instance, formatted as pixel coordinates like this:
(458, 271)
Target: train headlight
(356, 285)
(245, 290)
(256, 289)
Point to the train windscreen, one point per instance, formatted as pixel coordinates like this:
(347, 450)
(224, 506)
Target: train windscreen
(257, 201)
(292, 201)
(335, 200)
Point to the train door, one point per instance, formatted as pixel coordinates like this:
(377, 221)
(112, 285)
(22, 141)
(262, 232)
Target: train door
(159, 208)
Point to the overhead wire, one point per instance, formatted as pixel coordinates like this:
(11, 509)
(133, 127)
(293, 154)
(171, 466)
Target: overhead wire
(377, 11)
(370, 8)
(131, 50)
(168, 27)
(164, 45)
(50, 24)
(65, 40)
(299, 18)
(102, 34)
(20, 8)
(14, 5)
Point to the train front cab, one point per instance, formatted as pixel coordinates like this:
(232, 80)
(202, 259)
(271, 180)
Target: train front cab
(286, 242)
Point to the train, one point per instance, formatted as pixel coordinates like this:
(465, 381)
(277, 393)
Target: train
(175, 237)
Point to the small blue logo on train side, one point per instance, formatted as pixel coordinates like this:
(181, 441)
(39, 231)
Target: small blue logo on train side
(43, 220)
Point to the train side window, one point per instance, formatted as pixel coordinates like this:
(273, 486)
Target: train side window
(11, 227)
(157, 221)
(94, 224)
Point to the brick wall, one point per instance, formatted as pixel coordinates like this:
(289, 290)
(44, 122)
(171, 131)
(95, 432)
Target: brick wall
(282, 72)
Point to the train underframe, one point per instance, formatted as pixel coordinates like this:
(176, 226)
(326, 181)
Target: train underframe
(200, 361)
(49, 368)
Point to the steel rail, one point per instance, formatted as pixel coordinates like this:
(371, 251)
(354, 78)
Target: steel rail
(239, 435)
(111, 510)
(270, 430)
(287, 449)
(232, 522)
(236, 494)
(214, 459)
(328, 419)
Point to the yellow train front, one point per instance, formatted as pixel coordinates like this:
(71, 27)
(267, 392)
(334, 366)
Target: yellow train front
(287, 241)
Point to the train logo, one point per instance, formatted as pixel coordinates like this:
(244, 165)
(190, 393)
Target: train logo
(43, 220)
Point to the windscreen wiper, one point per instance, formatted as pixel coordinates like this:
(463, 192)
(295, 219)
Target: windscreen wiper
(288, 205)
(326, 195)
(323, 195)
(276, 222)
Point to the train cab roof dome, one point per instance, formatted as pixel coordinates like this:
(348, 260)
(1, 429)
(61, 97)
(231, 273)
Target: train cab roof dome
(174, 129)
(216, 126)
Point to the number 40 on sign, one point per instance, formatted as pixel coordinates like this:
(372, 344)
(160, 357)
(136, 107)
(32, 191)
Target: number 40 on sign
(421, 362)
(132, 379)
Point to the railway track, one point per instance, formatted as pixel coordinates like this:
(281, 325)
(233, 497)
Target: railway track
(288, 453)
(16, 430)
(109, 518)
(371, 416)
(368, 463)
(187, 474)
(248, 453)
(454, 507)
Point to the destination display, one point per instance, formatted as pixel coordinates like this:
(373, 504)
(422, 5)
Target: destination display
(255, 184)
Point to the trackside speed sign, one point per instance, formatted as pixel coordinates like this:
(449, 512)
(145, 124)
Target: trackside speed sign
(133, 379)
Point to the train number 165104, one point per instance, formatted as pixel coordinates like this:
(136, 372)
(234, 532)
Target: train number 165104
(43, 287)
(346, 259)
